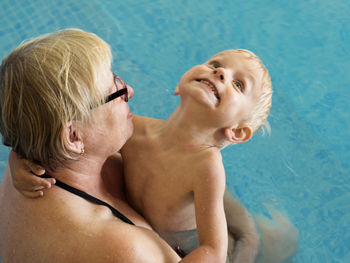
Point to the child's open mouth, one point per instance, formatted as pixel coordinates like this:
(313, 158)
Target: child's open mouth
(211, 86)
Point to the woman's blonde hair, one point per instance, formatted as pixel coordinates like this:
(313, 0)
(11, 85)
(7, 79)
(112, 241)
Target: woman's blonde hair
(44, 84)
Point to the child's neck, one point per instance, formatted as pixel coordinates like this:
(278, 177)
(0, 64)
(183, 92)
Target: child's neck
(189, 129)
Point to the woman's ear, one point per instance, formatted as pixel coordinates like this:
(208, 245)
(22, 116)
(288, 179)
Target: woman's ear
(239, 134)
(71, 138)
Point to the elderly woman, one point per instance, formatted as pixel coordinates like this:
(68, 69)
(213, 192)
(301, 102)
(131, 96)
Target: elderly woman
(64, 109)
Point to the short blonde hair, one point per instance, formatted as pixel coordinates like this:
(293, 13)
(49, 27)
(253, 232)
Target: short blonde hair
(261, 109)
(44, 84)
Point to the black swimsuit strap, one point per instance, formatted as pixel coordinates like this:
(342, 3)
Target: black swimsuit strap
(92, 199)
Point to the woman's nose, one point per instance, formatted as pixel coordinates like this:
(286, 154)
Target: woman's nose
(220, 74)
(130, 92)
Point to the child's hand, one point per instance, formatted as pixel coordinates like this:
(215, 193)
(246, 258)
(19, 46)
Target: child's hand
(25, 177)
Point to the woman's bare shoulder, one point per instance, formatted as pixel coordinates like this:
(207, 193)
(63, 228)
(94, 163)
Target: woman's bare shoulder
(67, 228)
(125, 243)
(104, 239)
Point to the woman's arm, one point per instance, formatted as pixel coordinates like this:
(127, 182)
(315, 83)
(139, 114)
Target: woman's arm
(241, 225)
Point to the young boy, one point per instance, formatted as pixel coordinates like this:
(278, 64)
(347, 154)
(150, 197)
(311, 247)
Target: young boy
(174, 174)
(178, 161)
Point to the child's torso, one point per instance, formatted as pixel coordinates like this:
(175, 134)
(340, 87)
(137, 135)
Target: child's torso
(159, 178)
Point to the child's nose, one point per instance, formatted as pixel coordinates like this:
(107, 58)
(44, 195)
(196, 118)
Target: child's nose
(220, 74)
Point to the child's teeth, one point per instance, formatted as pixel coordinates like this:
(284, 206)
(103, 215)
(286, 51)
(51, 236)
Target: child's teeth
(211, 87)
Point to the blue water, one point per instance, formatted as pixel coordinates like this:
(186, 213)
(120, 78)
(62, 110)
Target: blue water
(302, 167)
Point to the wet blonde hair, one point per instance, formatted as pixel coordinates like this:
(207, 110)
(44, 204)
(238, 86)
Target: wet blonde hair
(258, 118)
(44, 84)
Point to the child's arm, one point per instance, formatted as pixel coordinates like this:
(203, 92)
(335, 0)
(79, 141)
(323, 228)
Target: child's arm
(24, 177)
(241, 225)
(209, 187)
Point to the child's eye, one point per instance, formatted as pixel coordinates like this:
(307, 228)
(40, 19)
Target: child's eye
(214, 64)
(239, 85)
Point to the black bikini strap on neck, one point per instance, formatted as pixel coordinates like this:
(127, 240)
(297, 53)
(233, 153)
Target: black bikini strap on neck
(92, 199)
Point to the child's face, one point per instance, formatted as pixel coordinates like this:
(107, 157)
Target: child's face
(229, 83)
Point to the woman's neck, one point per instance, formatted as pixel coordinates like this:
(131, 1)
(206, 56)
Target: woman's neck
(83, 174)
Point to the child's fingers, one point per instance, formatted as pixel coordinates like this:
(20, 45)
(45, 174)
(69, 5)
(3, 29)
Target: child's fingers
(51, 180)
(31, 194)
(41, 183)
(34, 168)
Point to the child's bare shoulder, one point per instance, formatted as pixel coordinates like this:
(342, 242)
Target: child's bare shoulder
(210, 165)
(143, 128)
(143, 123)
(210, 158)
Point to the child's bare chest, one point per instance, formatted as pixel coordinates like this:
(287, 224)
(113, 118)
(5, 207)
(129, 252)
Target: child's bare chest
(159, 183)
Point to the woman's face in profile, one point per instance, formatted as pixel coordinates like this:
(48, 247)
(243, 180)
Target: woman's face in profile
(112, 122)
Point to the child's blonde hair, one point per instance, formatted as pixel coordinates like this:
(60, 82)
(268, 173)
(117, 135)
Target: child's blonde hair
(261, 109)
(44, 84)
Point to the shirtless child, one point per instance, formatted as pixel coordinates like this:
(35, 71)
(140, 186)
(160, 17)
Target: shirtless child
(174, 173)
(178, 181)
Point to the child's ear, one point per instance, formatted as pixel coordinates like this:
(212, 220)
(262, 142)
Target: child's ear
(177, 92)
(71, 138)
(239, 134)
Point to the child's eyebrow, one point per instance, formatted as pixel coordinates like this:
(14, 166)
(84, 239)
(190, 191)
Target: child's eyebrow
(213, 61)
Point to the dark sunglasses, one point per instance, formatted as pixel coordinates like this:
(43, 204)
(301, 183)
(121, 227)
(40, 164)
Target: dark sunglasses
(118, 81)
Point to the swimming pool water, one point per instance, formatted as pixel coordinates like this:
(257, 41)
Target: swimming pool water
(302, 167)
